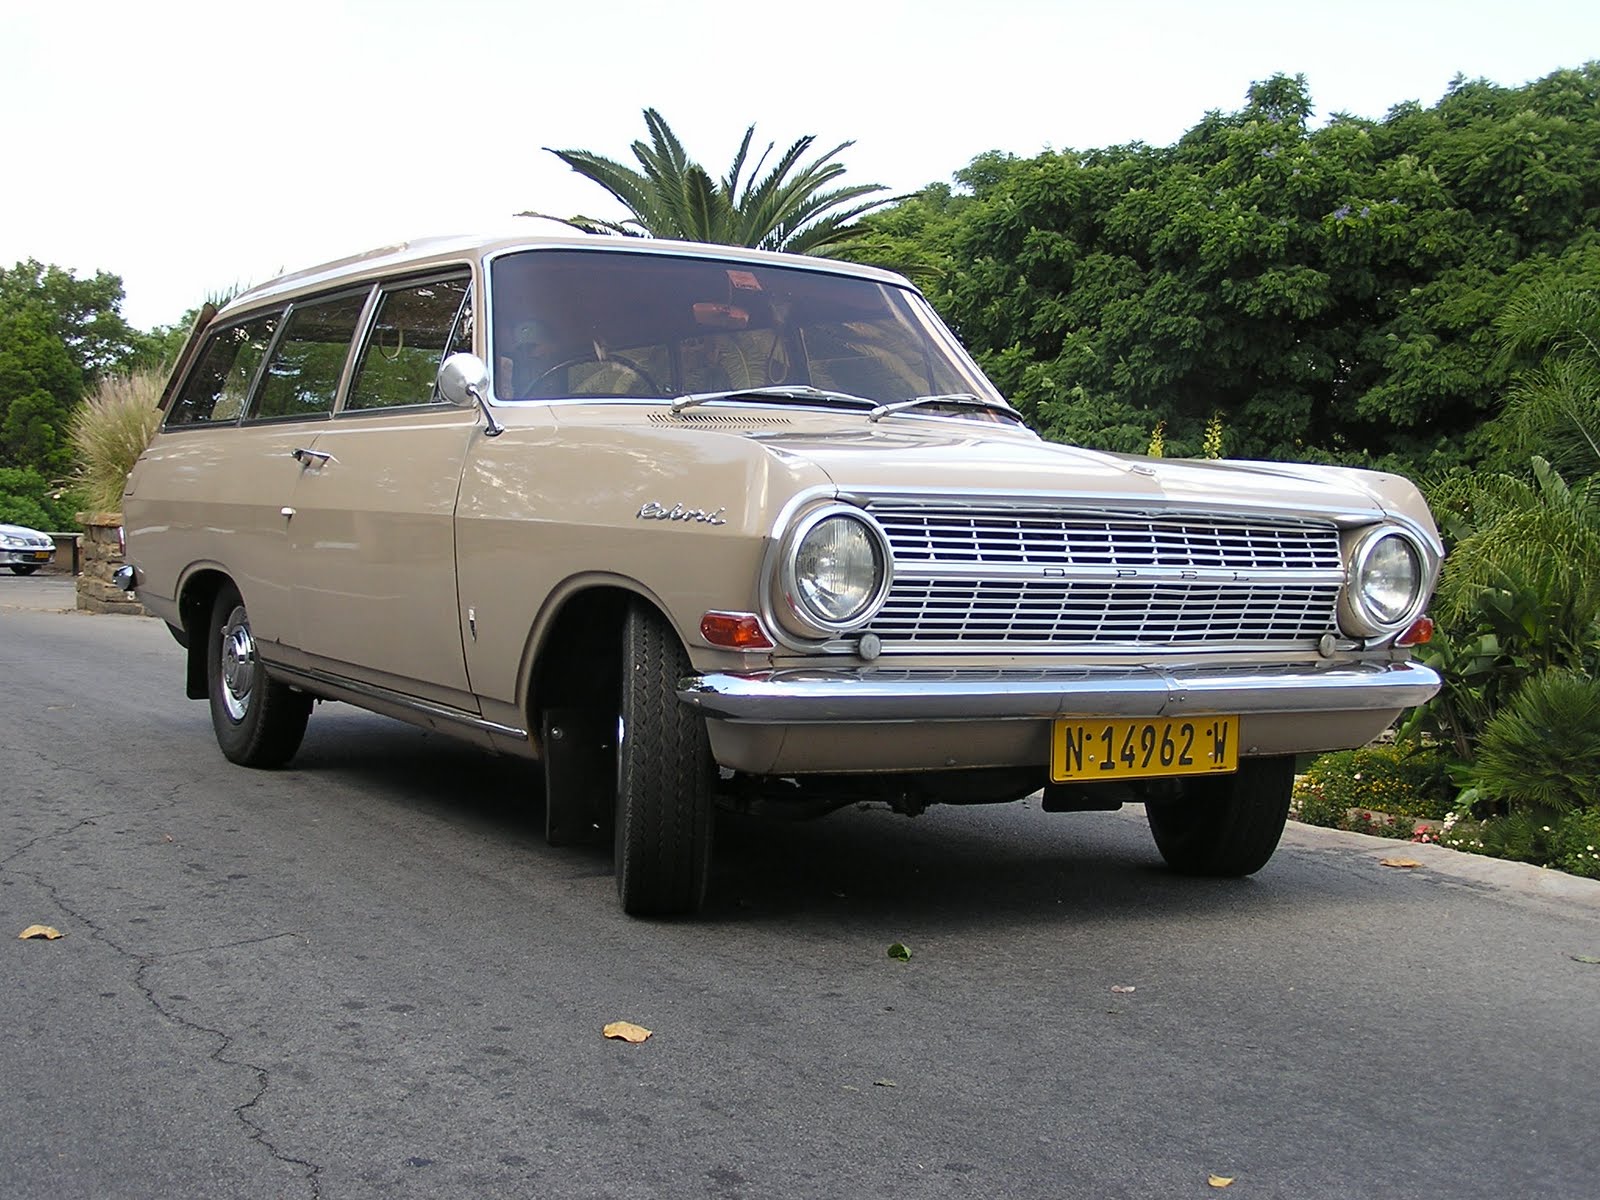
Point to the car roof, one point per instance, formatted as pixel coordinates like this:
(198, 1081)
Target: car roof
(422, 253)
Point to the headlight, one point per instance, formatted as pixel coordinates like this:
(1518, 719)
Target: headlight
(1388, 573)
(835, 570)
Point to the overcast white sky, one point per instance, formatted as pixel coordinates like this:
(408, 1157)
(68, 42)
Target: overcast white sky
(190, 146)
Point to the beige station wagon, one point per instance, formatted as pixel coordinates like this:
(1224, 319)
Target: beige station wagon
(694, 527)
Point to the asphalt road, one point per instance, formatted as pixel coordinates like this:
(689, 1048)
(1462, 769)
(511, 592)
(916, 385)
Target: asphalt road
(367, 976)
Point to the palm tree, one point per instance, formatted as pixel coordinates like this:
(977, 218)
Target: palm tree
(675, 197)
(1554, 406)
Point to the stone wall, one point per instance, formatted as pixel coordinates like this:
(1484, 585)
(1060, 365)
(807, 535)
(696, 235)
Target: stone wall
(102, 555)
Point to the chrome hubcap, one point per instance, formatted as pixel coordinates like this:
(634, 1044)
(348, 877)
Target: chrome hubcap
(238, 664)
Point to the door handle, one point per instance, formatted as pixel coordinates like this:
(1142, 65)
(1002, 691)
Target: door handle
(307, 457)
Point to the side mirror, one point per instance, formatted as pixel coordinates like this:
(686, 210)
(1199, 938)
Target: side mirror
(463, 380)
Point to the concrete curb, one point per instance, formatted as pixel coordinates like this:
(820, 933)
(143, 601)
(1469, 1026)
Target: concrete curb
(1539, 883)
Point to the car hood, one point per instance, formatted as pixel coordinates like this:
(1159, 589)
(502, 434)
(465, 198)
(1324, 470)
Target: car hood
(21, 531)
(1018, 465)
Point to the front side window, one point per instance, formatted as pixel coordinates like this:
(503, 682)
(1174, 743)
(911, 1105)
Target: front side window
(416, 326)
(303, 374)
(606, 323)
(216, 390)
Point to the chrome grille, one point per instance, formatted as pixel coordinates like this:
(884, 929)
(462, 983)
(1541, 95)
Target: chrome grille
(1071, 539)
(998, 579)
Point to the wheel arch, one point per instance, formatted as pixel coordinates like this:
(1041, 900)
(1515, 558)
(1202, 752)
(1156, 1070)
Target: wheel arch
(577, 642)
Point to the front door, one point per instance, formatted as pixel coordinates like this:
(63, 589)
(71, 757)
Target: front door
(372, 537)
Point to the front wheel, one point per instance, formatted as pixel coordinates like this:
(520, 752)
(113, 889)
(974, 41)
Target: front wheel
(665, 776)
(23, 568)
(1226, 825)
(259, 720)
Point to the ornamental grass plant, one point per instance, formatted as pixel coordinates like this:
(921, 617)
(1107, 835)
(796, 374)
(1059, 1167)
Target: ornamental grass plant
(109, 431)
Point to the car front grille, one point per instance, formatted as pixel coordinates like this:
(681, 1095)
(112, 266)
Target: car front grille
(1007, 579)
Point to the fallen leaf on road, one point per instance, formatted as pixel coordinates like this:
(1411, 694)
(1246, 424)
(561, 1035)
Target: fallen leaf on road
(1586, 958)
(626, 1031)
(40, 931)
(1123, 989)
(1398, 862)
(900, 952)
(1220, 1181)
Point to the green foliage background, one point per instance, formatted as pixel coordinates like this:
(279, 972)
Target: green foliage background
(1331, 291)
(59, 336)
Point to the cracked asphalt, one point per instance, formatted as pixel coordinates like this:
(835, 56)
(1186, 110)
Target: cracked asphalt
(366, 975)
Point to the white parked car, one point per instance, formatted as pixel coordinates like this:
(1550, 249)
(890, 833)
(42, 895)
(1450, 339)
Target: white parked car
(25, 550)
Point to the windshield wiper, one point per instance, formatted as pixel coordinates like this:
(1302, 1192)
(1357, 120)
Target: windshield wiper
(952, 399)
(801, 392)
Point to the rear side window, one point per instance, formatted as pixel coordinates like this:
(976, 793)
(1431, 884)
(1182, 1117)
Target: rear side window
(219, 385)
(415, 327)
(303, 373)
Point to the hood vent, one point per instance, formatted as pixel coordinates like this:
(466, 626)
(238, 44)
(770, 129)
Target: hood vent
(719, 420)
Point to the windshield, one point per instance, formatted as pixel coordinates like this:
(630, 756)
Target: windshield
(568, 323)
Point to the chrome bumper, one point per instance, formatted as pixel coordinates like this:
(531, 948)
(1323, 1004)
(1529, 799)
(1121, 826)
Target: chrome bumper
(870, 694)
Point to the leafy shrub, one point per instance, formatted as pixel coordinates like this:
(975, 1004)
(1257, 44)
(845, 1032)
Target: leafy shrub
(110, 429)
(1578, 843)
(1569, 843)
(1520, 837)
(1406, 782)
(1542, 751)
(27, 499)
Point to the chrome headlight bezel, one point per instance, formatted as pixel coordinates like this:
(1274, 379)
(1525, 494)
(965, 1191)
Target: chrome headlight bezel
(795, 611)
(1359, 614)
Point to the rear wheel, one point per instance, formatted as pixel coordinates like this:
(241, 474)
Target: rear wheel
(1225, 825)
(23, 568)
(665, 776)
(259, 721)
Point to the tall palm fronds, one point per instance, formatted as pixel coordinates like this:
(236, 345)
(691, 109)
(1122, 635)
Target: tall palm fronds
(788, 208)
(1531, 545)
(1553, 408)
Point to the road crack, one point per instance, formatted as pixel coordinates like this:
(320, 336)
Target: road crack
(244, 1113)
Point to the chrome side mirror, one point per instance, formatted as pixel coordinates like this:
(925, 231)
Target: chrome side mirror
(464, 380)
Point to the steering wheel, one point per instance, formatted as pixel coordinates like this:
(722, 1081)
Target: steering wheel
(649, 387)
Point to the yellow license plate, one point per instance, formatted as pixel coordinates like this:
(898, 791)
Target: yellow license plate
(41, 556)
(1082, 750)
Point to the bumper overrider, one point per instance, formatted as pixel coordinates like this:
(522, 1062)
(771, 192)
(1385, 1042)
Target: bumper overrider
(884, 695)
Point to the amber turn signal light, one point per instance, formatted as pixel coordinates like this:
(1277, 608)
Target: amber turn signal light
(1420, 633)
(737, 631)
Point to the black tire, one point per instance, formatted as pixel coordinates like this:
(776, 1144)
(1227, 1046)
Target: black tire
(259, 720)
(1227, 825)
(23, 568)
(665, 776)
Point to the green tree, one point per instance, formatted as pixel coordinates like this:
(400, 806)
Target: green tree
(84, 313)
(58, 335)
(1332, 292)
(39, 383)
(788, 208)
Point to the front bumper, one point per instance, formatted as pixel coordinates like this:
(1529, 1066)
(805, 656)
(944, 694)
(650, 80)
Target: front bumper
(874, 694)
(33, 557)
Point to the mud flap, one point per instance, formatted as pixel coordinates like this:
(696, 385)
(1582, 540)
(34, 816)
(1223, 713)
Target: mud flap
(580, 776)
